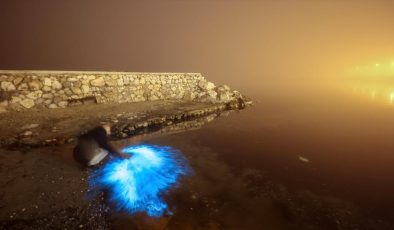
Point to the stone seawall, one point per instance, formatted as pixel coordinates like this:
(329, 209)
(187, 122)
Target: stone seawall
(21, 90)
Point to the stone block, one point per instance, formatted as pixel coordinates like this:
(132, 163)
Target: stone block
(111, 82)
(17, 80)
(35, 84)
(7, 86)
(85, 89)
(56, 85)
(98, 82)
(27, 103)
(23, 86)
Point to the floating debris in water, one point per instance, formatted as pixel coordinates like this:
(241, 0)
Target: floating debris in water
(303, 159)
(138, 183)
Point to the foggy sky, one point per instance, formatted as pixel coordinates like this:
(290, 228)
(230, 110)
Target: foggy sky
(233, 42)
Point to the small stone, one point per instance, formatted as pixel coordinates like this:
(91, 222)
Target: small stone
(68, 92)
(153, 98)
(52, 106)
(30, 126)
(111, 82)
(120, 82)
(76, 90)
(212, 94)
(77, 84)
(226, 87)
(18, 80)
(57, 99)
(224, 96)
(39, 101)
(47, 95)
(35, 85)
(210, 86)
(85, 89)
(7, 86)
(47, 102)
(34, 95)
(69, 140)
(63, 104)
(27, 133)
(72, 79)
(23, 86)
(47, 82)
(85, 81)
(91, 77)
(46, 88)
(67, 84)
(202, 85)
(98, 82)
(56, 85)
(27, 103)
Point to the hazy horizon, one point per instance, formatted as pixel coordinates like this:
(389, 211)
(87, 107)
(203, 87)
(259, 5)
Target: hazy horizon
(240, 43)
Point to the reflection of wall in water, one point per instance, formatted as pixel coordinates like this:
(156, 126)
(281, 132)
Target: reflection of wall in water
(173, 129)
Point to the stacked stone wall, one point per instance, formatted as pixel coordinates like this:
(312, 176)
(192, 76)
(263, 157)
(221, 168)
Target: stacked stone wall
(21, 90)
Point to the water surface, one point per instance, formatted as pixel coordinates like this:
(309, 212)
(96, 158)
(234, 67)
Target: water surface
(322, 149)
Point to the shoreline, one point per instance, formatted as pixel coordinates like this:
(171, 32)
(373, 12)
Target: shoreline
(54, 127)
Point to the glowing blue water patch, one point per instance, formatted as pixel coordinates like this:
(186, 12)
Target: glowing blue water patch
(138, 183)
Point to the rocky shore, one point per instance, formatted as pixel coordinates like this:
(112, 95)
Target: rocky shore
(38, 128)
(41, 108)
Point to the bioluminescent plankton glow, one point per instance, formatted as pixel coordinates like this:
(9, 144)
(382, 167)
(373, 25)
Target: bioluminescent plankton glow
(137, 184)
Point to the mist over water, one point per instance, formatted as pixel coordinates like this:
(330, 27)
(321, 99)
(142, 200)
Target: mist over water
(312, 129)
(239, 43)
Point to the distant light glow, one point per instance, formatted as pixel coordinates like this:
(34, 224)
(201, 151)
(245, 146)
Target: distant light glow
(373, 94)
(381, 68)
(138, 183)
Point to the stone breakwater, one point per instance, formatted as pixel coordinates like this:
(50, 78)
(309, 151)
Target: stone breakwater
(21, 90)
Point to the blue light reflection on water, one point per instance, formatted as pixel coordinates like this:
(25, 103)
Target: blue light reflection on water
(138, 183)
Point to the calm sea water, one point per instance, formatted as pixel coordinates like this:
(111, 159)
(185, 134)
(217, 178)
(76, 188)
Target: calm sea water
(304, 156)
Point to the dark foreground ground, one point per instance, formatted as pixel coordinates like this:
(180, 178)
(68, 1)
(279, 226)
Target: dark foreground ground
(42, 188)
